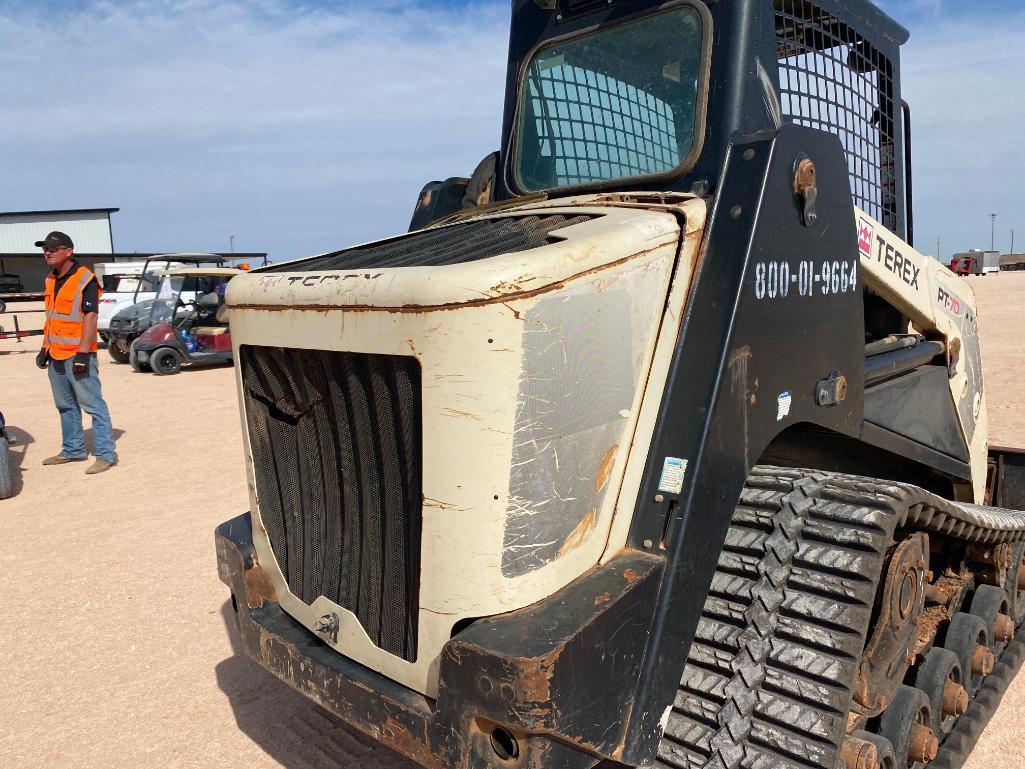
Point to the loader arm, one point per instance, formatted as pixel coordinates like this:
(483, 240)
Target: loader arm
(940, 306)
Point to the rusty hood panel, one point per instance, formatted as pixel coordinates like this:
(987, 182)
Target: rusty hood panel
(534, 368)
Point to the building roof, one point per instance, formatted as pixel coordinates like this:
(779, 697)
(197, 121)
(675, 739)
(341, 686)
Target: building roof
(61, 211)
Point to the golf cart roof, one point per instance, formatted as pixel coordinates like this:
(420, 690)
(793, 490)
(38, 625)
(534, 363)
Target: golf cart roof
(202, 272)
(188, 257)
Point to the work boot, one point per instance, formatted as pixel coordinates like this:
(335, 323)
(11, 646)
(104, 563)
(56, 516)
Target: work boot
(99, 466)
(60, 459)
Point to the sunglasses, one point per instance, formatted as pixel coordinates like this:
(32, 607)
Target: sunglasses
(47, 250)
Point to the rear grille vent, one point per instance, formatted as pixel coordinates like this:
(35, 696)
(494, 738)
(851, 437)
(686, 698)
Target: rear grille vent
(455, 244)
(336, 442)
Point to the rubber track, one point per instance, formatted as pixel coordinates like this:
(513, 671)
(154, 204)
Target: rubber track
(959, 743)
(768, 681)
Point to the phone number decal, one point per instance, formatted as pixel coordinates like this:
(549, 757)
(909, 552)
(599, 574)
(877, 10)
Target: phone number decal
(780, 279)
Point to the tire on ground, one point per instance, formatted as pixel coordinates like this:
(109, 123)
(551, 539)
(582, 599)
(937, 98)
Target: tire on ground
(6, 483)
(117, 353)
(137, 366)
(165, 361)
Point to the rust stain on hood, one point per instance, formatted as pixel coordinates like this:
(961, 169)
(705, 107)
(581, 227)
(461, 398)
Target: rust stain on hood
(580, 533)
(605, 468)
(258, 587)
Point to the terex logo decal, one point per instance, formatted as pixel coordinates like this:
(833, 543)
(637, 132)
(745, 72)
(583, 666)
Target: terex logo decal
(312, 280)
(866, 234)
(949, 302)
(901, 266)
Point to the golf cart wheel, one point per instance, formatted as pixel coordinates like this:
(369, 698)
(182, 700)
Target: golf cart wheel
(137, 367)
(117, 352)
(6, 483)
(165, 361)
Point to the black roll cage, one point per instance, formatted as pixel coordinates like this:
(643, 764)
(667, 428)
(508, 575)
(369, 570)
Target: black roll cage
(743, 66)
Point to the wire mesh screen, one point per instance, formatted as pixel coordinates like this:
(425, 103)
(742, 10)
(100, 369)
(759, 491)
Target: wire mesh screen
(599, 127)
(617, 103)
(833, 80)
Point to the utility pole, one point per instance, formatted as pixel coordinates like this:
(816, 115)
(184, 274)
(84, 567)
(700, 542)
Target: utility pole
(938, 250)
(231, 243)
(993, 232)
(1012, 240)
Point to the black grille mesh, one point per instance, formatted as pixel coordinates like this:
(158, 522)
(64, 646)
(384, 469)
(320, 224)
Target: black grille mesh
(833, 80)
(336, 442)
(455, 244)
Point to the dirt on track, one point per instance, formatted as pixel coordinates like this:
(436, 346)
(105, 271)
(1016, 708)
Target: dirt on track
(118, 648)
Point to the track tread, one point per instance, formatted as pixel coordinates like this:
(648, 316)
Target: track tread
(782, 629)
(768, 680)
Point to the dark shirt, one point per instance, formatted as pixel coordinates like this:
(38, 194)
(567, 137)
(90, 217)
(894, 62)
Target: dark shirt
(90, 295)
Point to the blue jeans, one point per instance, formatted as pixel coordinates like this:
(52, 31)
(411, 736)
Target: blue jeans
(72, 397)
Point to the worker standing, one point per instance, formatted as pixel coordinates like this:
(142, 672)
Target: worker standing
(69, 349)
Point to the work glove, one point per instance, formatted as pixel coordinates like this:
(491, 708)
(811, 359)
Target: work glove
(81, 364)
(42, 358)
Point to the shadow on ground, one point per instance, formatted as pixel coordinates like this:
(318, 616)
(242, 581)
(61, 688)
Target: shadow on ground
(292, 730)
(118, 433)
(18, 441)
(187, 369)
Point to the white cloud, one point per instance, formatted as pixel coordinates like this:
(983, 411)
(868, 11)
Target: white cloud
(300, 129)
(964, 76)
(294, 129)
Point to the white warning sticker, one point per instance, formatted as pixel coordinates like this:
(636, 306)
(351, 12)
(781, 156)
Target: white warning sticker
(673, 471)
(783, 404)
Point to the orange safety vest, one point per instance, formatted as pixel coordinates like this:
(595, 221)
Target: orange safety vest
(62, 331)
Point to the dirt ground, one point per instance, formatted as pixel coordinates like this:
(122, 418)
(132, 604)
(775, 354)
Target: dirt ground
(118, 648)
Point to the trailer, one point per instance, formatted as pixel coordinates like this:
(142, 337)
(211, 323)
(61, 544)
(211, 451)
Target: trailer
(976, 262)
(1012, 262)
(17, 332)
(22, 296)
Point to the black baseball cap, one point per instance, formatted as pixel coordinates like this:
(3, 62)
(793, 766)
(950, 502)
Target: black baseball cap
(55, 240)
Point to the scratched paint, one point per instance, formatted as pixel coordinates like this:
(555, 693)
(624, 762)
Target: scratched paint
(467, 325)
(577, 379)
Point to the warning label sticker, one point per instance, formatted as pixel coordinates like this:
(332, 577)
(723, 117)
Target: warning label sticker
(783, 404)
(673, 471)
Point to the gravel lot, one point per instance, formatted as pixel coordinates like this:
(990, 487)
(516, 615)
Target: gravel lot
(118, 646)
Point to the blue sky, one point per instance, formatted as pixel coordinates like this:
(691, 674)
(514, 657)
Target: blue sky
(300, 127)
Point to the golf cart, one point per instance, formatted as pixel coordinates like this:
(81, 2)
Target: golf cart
(6, 484)
(125, 284)
(188, 322)
(130, 313)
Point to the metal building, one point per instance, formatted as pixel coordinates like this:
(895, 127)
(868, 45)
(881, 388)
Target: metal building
(19, 230)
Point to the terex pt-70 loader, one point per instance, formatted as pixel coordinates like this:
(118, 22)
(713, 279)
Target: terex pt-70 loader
(654, 442)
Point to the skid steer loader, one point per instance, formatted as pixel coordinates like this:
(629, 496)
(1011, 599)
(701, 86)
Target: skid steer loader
(653, 443)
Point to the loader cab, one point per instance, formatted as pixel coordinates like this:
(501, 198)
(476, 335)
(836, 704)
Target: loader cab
(640, 95)
(646, 95)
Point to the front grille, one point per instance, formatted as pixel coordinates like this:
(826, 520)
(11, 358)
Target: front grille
(455, 244)
(336, 442)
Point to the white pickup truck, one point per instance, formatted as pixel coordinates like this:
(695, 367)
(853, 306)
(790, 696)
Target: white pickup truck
(124, 284)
